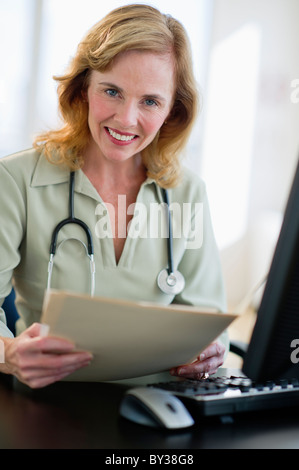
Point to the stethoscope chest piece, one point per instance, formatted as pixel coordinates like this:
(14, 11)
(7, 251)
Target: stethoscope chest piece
(171, 283)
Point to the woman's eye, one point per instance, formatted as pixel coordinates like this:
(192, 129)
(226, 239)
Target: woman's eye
(150, 102)
(112, 93)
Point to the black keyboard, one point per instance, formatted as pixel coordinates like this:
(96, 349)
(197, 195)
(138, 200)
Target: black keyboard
(226, 395)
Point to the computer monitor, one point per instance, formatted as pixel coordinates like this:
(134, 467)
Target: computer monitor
(273, 352)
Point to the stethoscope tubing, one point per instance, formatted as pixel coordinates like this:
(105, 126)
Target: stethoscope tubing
(169, 280)
(72, 220)
(170, 235)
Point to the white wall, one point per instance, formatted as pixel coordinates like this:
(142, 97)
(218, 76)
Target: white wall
(275, 140)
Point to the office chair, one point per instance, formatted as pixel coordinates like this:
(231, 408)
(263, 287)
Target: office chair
(238, 347)
(10, 311)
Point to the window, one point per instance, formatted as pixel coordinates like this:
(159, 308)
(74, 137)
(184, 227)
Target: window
(16, 56)
(229, 131)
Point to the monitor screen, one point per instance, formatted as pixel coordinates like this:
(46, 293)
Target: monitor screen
(273, 352)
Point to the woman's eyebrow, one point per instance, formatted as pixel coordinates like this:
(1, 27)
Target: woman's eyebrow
(110, 85)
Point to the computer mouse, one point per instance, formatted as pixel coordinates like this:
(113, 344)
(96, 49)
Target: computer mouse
(155, 407)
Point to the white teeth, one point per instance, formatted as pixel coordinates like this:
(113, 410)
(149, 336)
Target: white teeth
(125, 138)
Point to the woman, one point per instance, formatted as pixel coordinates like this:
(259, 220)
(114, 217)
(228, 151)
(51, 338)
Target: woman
(128, 102)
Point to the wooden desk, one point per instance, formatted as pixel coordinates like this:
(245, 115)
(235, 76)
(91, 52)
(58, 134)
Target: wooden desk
(85, 416)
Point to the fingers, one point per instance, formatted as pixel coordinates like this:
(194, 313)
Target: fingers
(36, 377)
(216, 349)
(40, 360)
(41, 342)
(36, 329)
(207, 362)
(38, 370)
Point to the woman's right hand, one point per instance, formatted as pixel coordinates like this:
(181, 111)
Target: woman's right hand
(38, 360)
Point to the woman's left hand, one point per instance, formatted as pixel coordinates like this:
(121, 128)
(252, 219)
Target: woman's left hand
(206, 363)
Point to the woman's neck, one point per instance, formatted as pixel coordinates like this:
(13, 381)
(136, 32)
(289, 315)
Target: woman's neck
(115, 176)
(114, 179)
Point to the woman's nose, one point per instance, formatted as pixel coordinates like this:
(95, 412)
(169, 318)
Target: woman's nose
(127, 114)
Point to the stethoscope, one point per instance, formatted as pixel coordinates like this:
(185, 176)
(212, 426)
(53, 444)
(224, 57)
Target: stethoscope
(170, 281)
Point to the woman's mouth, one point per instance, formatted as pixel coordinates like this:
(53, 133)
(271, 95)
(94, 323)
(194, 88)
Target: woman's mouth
(121, 138)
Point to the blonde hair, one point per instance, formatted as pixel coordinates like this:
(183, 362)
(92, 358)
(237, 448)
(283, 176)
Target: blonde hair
(132, 27)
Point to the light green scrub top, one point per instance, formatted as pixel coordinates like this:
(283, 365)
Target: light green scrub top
(34, 197)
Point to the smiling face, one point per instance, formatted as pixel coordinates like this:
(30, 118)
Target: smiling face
(128, 104)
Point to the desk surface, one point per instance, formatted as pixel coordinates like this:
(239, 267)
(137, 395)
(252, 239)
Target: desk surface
(85, 416)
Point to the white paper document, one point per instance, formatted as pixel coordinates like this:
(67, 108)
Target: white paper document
(130, 339)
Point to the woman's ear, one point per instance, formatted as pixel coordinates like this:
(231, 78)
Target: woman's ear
(84, 95)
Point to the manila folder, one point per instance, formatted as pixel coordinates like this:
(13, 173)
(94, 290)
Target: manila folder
(130, 339)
